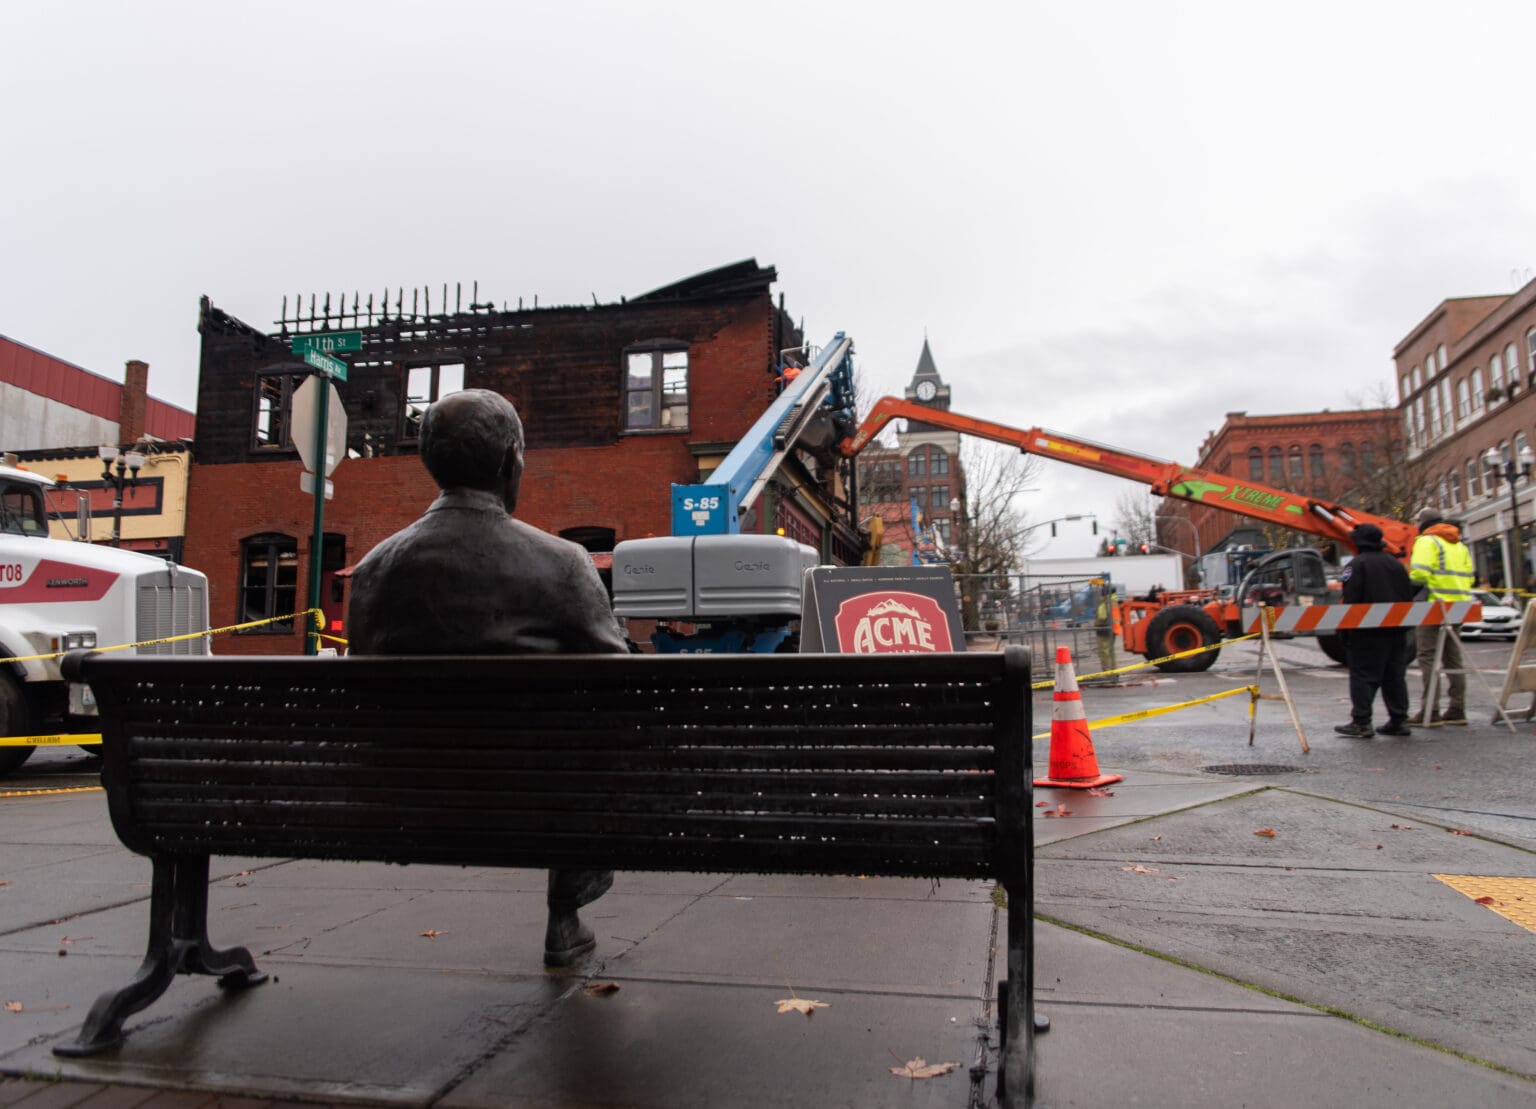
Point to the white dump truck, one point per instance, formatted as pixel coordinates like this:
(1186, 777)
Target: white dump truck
(57, 595)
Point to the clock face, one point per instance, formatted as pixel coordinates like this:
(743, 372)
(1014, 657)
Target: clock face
(926, 390)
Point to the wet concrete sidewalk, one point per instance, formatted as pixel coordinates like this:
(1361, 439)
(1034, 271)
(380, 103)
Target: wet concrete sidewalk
(1160, 911)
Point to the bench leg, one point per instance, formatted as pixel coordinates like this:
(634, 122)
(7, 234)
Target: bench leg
(1017, 1020)
(178, 943)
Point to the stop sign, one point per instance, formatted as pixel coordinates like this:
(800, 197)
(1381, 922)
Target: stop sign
(306, 411)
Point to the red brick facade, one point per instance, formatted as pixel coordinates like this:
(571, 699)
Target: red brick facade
(1467, 385)
(562, 367)
(1314, 452)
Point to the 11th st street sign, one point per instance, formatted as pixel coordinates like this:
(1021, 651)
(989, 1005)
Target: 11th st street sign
(328, 342)
(317, 349)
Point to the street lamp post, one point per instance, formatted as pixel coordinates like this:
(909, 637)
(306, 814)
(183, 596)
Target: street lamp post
(129, 463)
(1510, 471)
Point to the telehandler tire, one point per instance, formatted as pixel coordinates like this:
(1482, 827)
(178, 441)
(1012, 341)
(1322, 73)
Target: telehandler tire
(1182, 628)
(14, 720)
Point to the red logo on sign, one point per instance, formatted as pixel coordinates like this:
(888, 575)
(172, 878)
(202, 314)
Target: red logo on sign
(885, 622)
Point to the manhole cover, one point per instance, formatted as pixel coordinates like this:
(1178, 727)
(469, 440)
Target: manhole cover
(1249, 768)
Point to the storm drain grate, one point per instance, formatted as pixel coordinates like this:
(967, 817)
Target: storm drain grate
(1238, 768)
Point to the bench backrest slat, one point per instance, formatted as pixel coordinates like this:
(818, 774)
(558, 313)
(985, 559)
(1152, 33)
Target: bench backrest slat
(811, 763)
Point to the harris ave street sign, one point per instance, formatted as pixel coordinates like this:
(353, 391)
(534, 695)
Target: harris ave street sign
(331, 367)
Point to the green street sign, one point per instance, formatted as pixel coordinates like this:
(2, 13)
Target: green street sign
(330, 342)
(331, 367)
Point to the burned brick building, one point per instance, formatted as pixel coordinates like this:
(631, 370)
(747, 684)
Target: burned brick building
(619, 401)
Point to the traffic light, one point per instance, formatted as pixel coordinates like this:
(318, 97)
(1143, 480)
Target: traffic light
(1144, 548)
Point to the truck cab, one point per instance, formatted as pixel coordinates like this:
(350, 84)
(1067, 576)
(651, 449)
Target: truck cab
(1297, 576)
(21, 504)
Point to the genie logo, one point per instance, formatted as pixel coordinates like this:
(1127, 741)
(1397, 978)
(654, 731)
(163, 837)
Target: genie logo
(886, 622)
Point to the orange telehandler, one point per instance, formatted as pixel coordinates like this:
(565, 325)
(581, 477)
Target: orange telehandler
(1181, 620)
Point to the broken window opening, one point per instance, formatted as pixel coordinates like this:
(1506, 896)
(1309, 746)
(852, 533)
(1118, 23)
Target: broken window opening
(271, 425)
(424, 386)
(656, 389)
(269, 577)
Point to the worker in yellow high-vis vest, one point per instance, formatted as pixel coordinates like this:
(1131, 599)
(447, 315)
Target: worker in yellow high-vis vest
(1442, 564)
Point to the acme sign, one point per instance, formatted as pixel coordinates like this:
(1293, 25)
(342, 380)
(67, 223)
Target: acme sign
(886, 622)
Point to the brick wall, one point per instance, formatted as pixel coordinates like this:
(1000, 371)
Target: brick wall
(561, 367)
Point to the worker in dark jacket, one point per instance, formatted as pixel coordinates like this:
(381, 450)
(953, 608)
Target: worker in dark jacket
(1378, 657)
(469, 579)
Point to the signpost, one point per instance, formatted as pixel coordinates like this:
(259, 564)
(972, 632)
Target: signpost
(320, 437)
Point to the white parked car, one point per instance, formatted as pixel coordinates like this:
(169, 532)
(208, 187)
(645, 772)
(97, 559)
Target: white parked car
(1500, 620)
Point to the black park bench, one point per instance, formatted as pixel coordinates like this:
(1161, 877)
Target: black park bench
(892, 765)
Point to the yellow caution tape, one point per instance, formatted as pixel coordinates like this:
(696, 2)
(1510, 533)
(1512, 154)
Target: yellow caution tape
(82, 739)
(95, 737)
(1151, 661)
(1163, 710)
(175, 638)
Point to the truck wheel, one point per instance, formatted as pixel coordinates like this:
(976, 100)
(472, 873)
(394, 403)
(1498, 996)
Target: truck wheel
(1333, 648)
(14, 720)
(1182, 628)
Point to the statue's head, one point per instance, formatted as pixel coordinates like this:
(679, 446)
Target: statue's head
(474, 440)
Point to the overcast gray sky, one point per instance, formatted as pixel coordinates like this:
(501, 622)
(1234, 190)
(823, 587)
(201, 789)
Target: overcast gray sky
(1118, 220)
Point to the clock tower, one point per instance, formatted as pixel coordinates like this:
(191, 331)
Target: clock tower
(926, 386)
(917, 488)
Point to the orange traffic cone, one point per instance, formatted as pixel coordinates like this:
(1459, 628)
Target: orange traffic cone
(1073, 764)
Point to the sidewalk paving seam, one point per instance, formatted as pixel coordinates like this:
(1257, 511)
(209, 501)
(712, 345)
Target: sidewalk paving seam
(1320, 1009)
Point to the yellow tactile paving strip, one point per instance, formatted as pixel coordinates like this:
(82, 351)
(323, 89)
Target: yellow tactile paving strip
(1514, 899)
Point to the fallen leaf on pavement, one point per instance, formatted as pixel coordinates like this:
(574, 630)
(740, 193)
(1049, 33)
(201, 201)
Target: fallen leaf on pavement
(1155, 839)
(1061, 810)
(433, 933)
(1042, 804)
(800, 1005)
(1094, 791)
(598, 989)
(1270, 832)
(13, 1006)
(1139, 869)
(1403, 827)
(1378, 847)
(922, 1068)
(1485, 900)
(1458, 831)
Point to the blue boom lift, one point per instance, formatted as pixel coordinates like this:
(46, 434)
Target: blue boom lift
(741, 590)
